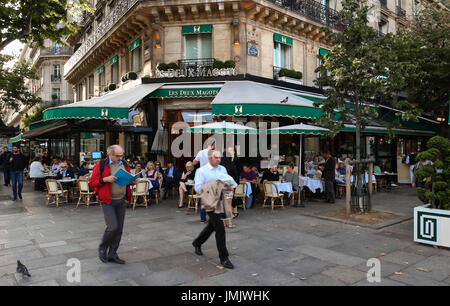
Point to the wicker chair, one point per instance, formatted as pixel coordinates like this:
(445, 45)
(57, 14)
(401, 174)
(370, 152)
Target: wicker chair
(85, 193)
(241, 193)
(193, 200)
(55, 189)
(273, 196)
(140, 191)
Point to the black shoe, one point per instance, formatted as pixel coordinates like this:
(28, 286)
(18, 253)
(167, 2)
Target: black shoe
(116, 259)
(227, 264)
(198, 250)
(102, 255)
(20, 196)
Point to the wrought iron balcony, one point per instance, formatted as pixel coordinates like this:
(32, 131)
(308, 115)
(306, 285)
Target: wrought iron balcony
(401, 12)
(315, 11)
(196, 63)
(56, 78)
(56, 51)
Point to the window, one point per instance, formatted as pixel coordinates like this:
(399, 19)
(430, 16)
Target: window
(198, 46)
(91, 86)
(115, 72)
(57, 70)
(197, 116)
(281, 55)
(80, 92)
(101, 78)
(56, 94)
(136, 55)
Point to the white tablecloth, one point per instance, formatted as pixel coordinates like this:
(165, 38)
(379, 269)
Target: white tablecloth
(283, 187)
(149, 185)
(311, 183)
(249, 189)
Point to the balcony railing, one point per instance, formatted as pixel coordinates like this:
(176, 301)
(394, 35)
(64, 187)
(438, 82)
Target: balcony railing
(56, 78)
(56, 102)
(401, 12)
(195, 63)
(315, 11)
(101, 31)
(56, 51)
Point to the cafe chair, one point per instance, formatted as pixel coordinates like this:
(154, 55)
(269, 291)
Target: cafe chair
(341, 189)
(54, 190)
(241, 193)
(140, 191)
(193, 200)
(273, 196)
(85, 193)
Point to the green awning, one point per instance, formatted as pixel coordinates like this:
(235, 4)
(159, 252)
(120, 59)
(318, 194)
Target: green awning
(197, 29)
(16, 138)
(323, 51)
(42, 127)
(135, 44)
(247, 98)
(40, 124)
(113, 60)
(383, 130)
(114, 105)
(266, 110)
(188, 92)
(101, 69)
(283, 39)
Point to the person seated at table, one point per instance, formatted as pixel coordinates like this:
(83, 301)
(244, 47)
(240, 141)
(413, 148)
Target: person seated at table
(249, 176)
(56, 164)
(37, 174)
(84, 170)
(318, 173)
(314, 163)
(65, 173)
(377, 169)
(171, 177)
(291, 176)
(152, 174)
(137, 169)
(187, 176)
(271, 174)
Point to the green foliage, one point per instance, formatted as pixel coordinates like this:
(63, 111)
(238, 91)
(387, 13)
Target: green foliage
(106, 88)
(229, 64)
(290, 73)
(162, 67)
(359, 73)
(218, 64)
(112, 87)
(437, 188)
(426, 50)
(125, 77)
(173, 66)
(13, 92)
(37, 20)
(38, 115)
(132, 75)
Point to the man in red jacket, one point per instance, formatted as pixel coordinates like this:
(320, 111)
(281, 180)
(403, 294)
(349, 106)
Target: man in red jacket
(112, 199)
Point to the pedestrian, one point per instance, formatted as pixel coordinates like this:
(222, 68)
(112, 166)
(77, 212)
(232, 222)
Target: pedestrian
(233, 166)
(5, 165)
(212, 172)
(37, 174)
(171, 178)
(112, 198)
(202, 159)
(18, 162)
(328, 175)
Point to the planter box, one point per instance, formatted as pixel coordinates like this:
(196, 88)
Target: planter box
(290, 80)
(432, 226)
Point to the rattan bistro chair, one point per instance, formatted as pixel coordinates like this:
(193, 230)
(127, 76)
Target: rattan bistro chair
(193, 200)
(273, 196)
(140, 191)
(241, 193)
(85, 193)
(55, 189)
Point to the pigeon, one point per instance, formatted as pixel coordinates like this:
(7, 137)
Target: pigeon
(22, 269)
(284, 100)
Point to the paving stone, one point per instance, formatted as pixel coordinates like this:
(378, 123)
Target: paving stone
(317, 280)
(384, 282)
(386, 268)
(114, 272)
(205, 269)
(330, 256)
(174, 276)
(403, 258)
(414, 280)
(47, 283)
(232, 279)
(438, 268)
(345, 274)
(140, 255)
(86, 279)
(64, 249)
(166, 262)
(52, 244)
(7, 281)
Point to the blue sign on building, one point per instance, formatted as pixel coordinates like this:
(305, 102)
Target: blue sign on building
(253, 50)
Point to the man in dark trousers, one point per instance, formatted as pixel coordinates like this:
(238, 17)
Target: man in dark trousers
(112, 199)
(171, 178)
(211, 172)
(5, 166)
(328, 175)
(18, 162)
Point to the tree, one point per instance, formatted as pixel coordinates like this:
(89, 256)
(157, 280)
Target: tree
(425, 46)
(435, 178)
(37, 20)
(360, 73)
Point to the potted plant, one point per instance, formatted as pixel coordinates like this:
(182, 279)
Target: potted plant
(291, 76)
(432, 220)
(106, 89)
(131, 75)
(112, 87)
(125, 77)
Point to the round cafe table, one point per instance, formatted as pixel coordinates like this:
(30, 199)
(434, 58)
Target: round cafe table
(312, 184)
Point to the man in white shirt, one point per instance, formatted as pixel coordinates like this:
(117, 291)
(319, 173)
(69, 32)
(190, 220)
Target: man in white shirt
(211, 172)
(202, 156)
(202, 159)
(37, 174)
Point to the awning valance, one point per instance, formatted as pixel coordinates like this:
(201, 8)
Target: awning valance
(246, 98)
(383, 130)
(16, 138)
(115, 105)
(197, 29)
(283, 39)
(41, 128)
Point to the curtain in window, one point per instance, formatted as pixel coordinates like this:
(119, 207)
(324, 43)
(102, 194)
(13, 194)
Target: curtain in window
(191, 47)
(206, 40)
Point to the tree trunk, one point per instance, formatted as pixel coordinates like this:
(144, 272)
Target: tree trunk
(358, 149)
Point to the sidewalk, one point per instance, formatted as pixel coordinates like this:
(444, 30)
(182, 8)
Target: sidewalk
(285, 247)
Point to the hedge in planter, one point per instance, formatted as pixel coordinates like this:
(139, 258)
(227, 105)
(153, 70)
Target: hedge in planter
(131, 75)
(436, 176)
(112, 87)
(290, 73)
(165, 67)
